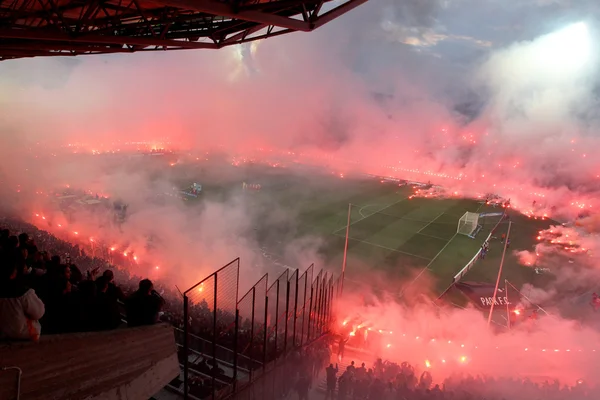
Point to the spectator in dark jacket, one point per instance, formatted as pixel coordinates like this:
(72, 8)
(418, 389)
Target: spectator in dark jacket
(112, 290)
(144, 305)
(108, 308)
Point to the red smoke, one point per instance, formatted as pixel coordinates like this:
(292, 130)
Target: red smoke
(348, 98)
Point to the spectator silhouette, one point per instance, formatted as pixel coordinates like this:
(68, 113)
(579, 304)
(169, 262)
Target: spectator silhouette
(144, 305)
(112, 290)
(108, 308)
(302, 386)
(331, 381)
(20, 307)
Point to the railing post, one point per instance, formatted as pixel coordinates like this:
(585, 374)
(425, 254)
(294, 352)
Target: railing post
(235, 349)
(321, 305)
(309, 314)
(332, 298)
(295, 311)
(252, 336)
(185, 347)
(324, 309)
(214, 344)
(287, 313)
(265, 334)
(304, 309)
(277, 319)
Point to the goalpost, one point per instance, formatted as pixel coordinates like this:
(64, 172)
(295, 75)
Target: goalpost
(467, 224)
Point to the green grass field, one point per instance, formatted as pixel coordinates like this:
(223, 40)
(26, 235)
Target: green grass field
(394, 239)
(402, 238)
(391, 236)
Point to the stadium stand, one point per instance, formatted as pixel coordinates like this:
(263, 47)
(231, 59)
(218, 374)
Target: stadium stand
(136, 363)
(389, 380)
(222, 351)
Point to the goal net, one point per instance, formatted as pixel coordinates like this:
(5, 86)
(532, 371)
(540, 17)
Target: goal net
(467, 224)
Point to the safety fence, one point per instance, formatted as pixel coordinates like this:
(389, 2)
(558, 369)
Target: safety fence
(468, 266)
(278, 378)
(229, 342)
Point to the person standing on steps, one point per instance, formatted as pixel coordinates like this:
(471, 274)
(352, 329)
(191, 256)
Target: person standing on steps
(331, 381)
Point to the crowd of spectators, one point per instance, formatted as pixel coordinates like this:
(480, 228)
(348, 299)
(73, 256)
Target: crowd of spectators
(390, 381)
(50, 286)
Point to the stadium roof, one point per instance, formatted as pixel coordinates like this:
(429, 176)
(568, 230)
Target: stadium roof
(32, 28)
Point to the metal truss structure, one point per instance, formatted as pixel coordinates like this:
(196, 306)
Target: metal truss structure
(32, 28)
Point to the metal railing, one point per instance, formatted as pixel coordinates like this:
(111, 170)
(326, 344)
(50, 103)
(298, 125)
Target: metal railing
(251, 335)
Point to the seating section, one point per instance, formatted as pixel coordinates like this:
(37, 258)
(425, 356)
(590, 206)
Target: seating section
(125, 363)
(85, 297)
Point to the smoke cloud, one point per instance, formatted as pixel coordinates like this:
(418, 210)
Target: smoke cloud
(393, 88)
(435, 339)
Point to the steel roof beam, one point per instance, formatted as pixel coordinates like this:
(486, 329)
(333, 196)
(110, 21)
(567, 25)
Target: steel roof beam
(226, 10)
(44, 36)
(337, 12)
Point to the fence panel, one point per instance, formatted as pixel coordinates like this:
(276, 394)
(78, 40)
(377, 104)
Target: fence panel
(282, 297)
(199, 305)
(300, 323)
(331, 299)
(291, 314)
(314, 306)
(308, 279)
(209, 314)
(280, 377)
(227, 292)
(275, 294)
(250, 340)
(251, 317)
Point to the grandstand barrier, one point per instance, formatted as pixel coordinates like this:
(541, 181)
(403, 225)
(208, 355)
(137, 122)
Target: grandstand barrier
(249, 337)
(468, 266)
(130, 363)
(277, 380)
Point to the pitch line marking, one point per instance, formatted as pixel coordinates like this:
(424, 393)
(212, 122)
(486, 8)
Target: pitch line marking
(417, 220)
(385, 247)
(431, 236)
(427, 267)
(363, 207)
(430, 222)
(440, 252)
(432, 260)
(368, 215)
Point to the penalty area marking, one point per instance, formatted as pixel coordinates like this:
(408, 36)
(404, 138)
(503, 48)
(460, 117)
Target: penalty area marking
(431, 236)
(385, 247)
(363, 207)
(427, 266)
(440, 252)
(368, 215)
(430, 222)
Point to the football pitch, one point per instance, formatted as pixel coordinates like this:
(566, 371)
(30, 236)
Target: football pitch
(395, 240)
(392, 237)
(399, 240)
(402, 240)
